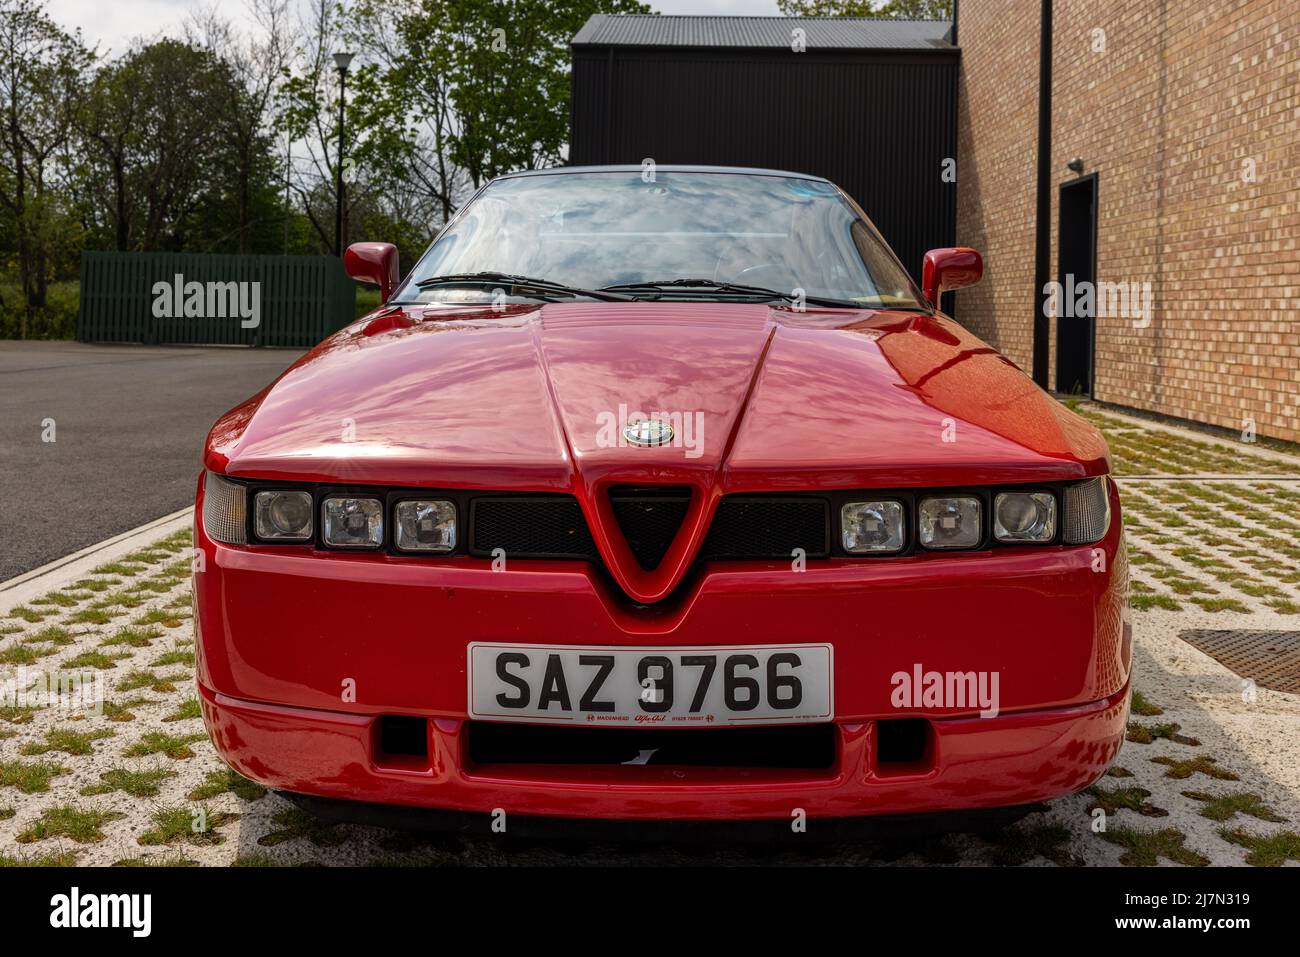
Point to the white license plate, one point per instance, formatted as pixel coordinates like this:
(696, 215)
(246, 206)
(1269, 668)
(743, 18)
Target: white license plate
(672, 687)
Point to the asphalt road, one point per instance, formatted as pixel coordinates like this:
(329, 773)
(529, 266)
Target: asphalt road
(129, 428)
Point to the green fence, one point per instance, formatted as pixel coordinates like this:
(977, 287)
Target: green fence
(189, 297)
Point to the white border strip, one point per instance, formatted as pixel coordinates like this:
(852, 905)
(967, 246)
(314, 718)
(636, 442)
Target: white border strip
(38, 581)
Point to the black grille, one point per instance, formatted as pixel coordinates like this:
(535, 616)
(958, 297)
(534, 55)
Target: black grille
(649, 520)
(530, 528)
(744, 527)
(811, 746)
(758, 527)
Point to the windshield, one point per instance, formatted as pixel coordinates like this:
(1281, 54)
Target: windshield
(594, 230)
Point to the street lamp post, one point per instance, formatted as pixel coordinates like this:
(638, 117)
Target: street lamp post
(342, 61)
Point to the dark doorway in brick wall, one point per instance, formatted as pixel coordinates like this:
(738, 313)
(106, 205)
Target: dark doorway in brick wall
(1076, 334)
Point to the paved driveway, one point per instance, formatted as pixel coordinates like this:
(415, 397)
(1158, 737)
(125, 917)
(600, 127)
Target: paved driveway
(129, 428)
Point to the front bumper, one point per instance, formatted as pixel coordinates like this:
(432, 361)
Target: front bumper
(980, 763)
(299, 653)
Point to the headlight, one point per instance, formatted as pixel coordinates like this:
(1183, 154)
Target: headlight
(1024, 517)
(1087, 512)
(425, 526)
(283, 516)
(224, 514)
(353, 522)
(872, 527)
(950, 522)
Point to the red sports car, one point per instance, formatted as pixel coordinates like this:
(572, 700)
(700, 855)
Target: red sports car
(661, 493)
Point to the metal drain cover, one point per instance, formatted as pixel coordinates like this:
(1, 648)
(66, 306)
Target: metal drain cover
(1271, 658)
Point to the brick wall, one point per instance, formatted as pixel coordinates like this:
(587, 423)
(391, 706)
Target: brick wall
(997, 133)
(1167, 115)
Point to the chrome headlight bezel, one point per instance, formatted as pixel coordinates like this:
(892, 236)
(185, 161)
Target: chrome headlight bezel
(963, 502)
(336, 506)
(891, 511)
(1047, 518)
(401, 523)
(265, 524)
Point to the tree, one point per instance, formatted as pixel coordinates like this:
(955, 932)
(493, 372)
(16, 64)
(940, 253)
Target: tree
(243, 200)
(42, 70)
(308, 116)
(466, 90)
(150, 136)
(900, 9)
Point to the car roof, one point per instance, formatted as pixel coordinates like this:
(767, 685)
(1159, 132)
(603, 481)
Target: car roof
(663, 167)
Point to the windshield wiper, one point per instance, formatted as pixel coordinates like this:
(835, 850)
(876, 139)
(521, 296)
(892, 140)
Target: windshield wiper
(730, 287)
(521, 285)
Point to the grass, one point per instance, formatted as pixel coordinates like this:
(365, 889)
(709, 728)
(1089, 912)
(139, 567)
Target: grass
(1129, 799)
(49, 859)
(30, 615)
(128, 569)
(1020, 845)
(139, 678)
(1147, 602)
(134, 783)
(1272, 851)
(50, 634)
(17, 713)
(174, 746)
(61, 599)
(95, 584)
(175, 859)
(189, 708)
(66, 741)
(65, 820)
(96, 659)
(180, 822)
(224, 780)
(29, 777)
(1145, 848)
(133, 637)
(1181, 770)
(1140, 705)
(90, 616)
(177, 656)
(1220, 604)
(292, 823)
(23, 655)
(255, 859)
(121, 711)
(1147, 733)
(1227, 806)
(168, 618)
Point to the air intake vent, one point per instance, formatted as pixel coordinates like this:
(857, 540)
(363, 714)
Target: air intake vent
(765, 527)
(529, 527)
(649, 519)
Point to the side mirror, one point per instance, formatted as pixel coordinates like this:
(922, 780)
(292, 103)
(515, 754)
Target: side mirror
(950, 268)
(375, 263)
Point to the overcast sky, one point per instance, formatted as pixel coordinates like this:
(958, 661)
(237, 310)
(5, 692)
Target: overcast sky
(113, 23)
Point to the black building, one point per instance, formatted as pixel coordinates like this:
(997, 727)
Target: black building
(869, 104)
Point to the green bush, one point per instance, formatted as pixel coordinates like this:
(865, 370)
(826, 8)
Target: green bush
(58, 320)
(367, 299)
